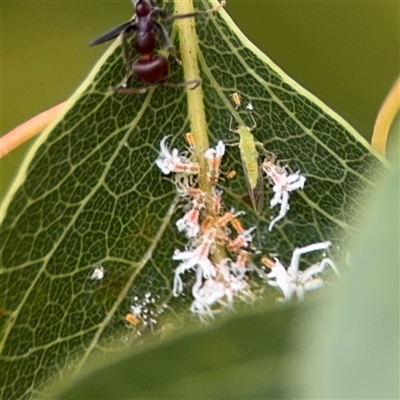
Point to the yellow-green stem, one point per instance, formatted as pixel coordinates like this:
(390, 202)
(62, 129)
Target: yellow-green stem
(188, 52)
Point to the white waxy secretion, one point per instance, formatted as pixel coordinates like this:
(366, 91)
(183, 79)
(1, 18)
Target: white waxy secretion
(98, 273)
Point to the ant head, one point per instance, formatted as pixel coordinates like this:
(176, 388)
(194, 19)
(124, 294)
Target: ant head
(143, 7)
(150, 2)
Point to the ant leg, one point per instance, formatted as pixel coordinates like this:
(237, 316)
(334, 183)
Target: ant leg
(166, 41)
(127, 58)
(194, 82)
(125, 90)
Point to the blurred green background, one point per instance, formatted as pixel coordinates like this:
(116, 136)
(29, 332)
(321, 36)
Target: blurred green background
(346, 53)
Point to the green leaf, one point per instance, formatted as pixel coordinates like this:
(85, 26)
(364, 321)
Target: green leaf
(89, 193)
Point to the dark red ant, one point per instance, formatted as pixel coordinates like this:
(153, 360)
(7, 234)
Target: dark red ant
(151, 67)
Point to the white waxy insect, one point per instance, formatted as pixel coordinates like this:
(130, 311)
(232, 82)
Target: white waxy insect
(197, 257)
(219, 290)
(283, 184)
(214, 157)
(98, 273)
(189, 223)
(171, 161)
(292, 281)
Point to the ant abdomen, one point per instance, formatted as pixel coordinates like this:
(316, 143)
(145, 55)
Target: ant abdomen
(151, 70)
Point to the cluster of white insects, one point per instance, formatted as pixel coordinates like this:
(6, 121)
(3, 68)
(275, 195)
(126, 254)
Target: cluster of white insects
(144, 312)
(207, 227)
(219, 248)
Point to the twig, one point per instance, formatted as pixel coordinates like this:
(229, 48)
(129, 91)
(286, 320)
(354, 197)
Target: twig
(28, 129)
(386, 115)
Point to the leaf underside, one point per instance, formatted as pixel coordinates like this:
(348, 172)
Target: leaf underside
(91, 194)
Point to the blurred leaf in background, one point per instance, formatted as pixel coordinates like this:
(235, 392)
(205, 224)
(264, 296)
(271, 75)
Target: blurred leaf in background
(245, 357)
(350, 344)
